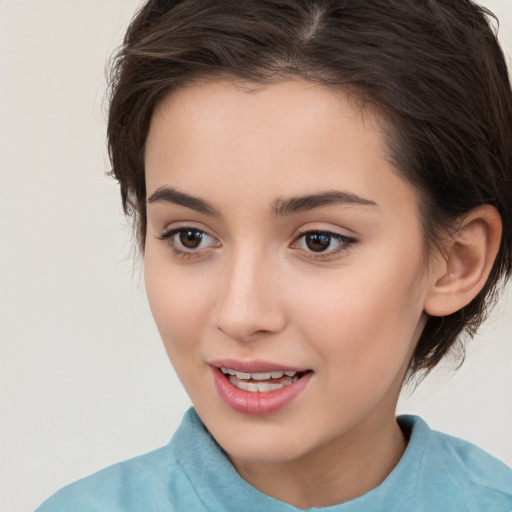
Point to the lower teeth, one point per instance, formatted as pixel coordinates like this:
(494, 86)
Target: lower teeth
(260, 387)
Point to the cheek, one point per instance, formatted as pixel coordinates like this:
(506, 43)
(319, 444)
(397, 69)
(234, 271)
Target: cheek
(363, 319)
(179, 301)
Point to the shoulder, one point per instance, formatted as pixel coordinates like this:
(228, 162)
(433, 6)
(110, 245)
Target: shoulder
(126, 486)
(151, 482)
(482, 478)
(457, 469)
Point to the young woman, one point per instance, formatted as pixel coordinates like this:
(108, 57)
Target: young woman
(321, 191)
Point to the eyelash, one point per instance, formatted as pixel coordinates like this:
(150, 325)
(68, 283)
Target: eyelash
(168, 237)
(345, 242)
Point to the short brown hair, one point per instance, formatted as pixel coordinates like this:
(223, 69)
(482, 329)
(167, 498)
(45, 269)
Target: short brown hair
(433, 68)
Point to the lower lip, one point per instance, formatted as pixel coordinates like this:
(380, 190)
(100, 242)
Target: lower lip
(257, 403)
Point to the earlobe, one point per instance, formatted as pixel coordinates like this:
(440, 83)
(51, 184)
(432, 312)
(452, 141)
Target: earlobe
(460, 272)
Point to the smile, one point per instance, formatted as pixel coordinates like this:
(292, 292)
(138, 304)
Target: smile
(261, 382)
(258, 388)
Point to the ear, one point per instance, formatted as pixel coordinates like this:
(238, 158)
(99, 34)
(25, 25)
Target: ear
(459, 271)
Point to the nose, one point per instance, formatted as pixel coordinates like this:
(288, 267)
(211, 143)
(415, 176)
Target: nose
(249, 304)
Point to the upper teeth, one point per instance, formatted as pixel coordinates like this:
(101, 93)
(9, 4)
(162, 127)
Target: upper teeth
(258, 375)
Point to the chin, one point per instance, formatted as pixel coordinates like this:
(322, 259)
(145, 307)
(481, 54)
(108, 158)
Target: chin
(262, 442)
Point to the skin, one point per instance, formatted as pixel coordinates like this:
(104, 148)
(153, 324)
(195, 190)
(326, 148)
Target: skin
(255, 290)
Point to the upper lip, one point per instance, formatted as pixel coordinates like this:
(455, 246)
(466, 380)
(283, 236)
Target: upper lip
(254, 366)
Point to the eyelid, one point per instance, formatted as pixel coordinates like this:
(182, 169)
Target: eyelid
(346, 243)
(178, 226)
(168, 234)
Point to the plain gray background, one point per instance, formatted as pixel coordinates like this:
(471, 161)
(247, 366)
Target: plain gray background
(84, 379)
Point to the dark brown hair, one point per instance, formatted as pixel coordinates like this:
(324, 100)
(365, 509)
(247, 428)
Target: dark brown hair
(432, 68)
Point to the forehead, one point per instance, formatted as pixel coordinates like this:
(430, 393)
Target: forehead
(284, 139)
(294, 108)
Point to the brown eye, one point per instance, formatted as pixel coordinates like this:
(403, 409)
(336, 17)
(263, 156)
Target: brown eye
(317, 242)
(188, 241)
(323, 244)
(190, 238)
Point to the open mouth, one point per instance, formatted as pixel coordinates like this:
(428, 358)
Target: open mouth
(265, 390)
(262, 382)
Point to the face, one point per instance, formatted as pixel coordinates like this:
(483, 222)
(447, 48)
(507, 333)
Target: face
(284, 265)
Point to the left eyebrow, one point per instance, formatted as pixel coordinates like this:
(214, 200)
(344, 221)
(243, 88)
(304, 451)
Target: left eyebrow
(282, 207)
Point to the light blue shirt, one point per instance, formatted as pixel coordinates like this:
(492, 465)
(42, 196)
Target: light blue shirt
(437, 473)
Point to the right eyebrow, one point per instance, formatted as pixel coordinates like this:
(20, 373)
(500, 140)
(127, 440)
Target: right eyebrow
(171, 195)
(298, 204)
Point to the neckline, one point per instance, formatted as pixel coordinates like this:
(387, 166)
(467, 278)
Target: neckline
(220, 487)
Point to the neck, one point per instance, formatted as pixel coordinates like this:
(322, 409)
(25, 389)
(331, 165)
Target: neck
(341, 470)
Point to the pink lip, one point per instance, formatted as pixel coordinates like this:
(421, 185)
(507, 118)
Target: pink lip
(255, 366)
(257, 403)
